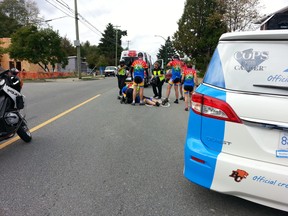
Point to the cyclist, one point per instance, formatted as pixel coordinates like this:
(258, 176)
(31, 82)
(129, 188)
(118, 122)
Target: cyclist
(176, 70)
(189, 80)
(138, 67)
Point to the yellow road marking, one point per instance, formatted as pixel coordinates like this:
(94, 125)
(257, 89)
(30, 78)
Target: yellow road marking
(3, 145)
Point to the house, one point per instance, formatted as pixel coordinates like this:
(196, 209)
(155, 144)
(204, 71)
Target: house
(72, 65)
(276, 20)
(6, 62)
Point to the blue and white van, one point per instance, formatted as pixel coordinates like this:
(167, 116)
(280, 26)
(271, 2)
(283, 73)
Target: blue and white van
(237, 136)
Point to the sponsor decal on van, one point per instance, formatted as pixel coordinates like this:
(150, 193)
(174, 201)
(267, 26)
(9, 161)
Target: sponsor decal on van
(238, 175)
(250, 60)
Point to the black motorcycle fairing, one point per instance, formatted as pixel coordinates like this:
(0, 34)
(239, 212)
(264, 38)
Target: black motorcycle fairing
(6, 106)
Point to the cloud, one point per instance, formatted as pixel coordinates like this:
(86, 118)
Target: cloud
(141, 19)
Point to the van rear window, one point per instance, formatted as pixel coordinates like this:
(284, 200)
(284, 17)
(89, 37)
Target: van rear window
(256, 66)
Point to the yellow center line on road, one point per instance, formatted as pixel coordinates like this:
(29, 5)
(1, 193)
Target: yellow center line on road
(3, 145)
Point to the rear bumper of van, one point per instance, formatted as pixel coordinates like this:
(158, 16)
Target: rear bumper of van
(256, 181)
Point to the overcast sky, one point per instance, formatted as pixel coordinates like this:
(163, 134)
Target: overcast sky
(142, 19)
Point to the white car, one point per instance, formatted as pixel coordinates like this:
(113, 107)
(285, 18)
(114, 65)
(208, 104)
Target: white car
(110, 71)
(237, 136)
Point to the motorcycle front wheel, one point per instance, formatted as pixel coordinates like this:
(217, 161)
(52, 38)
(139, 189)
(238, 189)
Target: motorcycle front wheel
(24, 132)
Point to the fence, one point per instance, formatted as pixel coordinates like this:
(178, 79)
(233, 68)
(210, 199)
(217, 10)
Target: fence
(45, 75)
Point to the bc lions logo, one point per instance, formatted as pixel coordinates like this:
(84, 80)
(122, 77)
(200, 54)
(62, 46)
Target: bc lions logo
(238, 175)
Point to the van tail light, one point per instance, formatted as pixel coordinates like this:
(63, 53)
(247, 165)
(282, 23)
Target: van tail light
(213, 108)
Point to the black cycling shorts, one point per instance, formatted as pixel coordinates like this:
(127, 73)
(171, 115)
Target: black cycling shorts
(188, 88)
(138, 79)
(176, 80)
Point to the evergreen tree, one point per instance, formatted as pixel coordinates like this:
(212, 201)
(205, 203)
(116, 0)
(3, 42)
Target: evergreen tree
(199, 29)
(107, 45)
(166, 51)
(68, 47)
(91, 53)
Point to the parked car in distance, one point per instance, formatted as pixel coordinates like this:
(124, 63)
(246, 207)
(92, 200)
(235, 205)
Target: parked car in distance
(237, 135)
(110, 71)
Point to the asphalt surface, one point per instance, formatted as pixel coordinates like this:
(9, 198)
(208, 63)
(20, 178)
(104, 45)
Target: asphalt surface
(104, 158)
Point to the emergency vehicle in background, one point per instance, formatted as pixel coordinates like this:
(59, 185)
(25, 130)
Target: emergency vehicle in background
(130, 55)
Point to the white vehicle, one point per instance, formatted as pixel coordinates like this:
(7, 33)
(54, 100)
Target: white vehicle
(237, 136)
(130, 55)
(110, 71)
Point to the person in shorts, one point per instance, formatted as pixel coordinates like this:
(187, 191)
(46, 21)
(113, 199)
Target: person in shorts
(151, 101)
(181, 83)
(138, 68)
(176, 66)
(189, 79)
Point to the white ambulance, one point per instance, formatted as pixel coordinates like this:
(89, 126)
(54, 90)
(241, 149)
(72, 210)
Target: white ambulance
(130, 55)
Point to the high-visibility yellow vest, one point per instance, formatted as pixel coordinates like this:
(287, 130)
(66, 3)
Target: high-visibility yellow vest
(158, 73)
(122, 72)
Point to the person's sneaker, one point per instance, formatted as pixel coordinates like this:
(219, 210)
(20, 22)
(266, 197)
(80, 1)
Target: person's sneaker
(186, 109)
(141, 103)
(155, 96)
(181, 98)
(119, 97)
(133, 103)
(157, 103)
(176, 101)
(165, 101)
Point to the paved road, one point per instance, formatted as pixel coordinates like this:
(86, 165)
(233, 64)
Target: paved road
(104, 158)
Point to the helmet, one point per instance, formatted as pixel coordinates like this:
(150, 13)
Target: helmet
(122, 61)
(176, 56)
(14, 71)
(140, 54)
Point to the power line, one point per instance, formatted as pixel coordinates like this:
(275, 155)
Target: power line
(70, 12)
(59, 8)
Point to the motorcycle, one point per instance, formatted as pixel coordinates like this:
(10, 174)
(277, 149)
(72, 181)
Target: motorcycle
(12, 115)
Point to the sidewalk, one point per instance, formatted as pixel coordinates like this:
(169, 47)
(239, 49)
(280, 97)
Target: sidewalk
(69, 79)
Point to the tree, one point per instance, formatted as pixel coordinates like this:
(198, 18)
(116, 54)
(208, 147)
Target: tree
(7, 25)
(91, 52)
(107, 45)
(38, 46)
(24, 12)
(241, 14)
(17, 13)
(166, 51)
(68, 47)
(199, 29)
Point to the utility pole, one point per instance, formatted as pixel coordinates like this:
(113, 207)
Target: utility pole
(116, 44)
(77, 41)
(128, 41)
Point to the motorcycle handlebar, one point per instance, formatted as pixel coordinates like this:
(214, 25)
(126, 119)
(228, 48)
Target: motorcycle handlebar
(4, 72)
